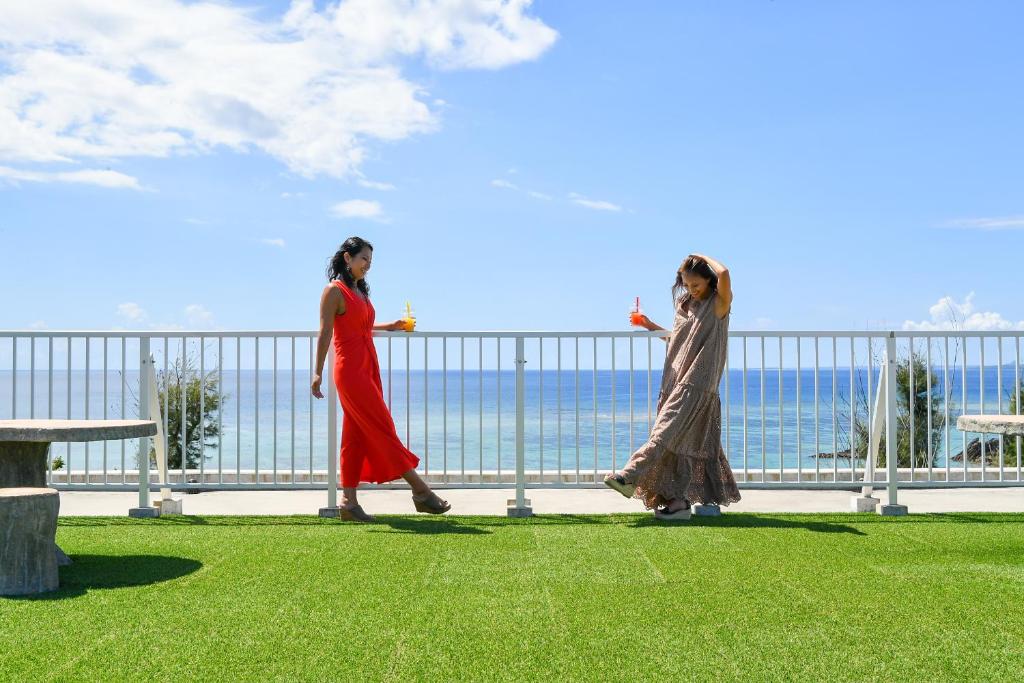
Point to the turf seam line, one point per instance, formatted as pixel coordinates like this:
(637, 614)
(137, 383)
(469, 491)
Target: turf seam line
(654, 567)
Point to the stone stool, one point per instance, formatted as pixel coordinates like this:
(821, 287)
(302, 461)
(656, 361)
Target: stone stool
(28, 529)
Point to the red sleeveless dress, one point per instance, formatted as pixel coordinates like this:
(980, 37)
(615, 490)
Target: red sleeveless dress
(370, 448)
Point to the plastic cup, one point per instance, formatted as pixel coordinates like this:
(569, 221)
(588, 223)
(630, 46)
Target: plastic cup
(408, 319)
(636, 315)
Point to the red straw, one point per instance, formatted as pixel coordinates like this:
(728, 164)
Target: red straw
(638, 304)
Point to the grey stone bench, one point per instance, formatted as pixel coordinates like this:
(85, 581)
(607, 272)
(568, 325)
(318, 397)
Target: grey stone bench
(27, 506)
(28, 524)
(1008, 425)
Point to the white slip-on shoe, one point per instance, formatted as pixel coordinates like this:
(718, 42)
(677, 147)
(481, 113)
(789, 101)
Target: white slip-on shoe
(680, 515)
(617, 483)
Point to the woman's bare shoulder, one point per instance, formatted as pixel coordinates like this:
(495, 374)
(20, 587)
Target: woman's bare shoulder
(332, 297)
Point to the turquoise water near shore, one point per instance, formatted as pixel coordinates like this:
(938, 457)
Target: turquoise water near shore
(456, 420)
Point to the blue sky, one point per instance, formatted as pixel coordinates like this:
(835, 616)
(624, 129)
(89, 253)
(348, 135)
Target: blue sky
(855, 164)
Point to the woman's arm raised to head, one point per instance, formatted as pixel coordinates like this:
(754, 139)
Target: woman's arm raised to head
(332, 303)
(724, 301)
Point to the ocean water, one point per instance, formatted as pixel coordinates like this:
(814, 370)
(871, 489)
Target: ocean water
(455, 420)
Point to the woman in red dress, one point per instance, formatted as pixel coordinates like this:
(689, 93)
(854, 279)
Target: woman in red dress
(370, 448)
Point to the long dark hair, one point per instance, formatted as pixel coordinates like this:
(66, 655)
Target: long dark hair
(337, 269)
(694, 265)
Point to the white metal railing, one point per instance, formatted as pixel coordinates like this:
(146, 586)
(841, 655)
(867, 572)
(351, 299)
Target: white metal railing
(801, 409)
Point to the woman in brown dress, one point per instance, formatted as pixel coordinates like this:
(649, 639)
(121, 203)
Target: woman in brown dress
(682, 461)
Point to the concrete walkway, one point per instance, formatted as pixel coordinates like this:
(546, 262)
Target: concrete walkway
(563, 501)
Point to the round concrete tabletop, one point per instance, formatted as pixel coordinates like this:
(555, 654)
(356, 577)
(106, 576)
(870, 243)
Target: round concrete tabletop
(24, 492)
(49, 431)
(991, 424)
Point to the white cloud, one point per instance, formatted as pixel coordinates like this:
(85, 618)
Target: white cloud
(131, 312)
(292, 195)
(108, 79)
(596, 204)
(948, 314)
(357, 208)
(998, 223)
(37, 325)
(197, 317)
(575, 198)
(452, 34)
(383, 187)
(103, 178)
(273, 241)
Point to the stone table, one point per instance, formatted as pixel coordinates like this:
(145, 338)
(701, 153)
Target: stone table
(1008, 425)
(28, 509)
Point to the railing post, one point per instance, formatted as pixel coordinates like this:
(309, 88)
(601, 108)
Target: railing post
(145, 363)
(520, 505)
(332, 509)
(892, 508)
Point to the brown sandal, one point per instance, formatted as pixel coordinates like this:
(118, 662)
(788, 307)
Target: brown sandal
(431, 504)
(356, 514)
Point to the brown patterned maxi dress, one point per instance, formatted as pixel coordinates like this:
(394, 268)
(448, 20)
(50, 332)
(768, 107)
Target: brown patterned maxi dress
(683, 457)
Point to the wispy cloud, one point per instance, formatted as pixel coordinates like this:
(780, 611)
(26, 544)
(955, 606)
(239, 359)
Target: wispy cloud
(313, 87)
(996, 223)
(100, 177)
(194, 316)
(575, 198)
(197, 317)
(131, 312)
(292, 195)
(949, 314)
(357, 208)
(273, 241)
(373, 185)
(596, 204)
(506, 185)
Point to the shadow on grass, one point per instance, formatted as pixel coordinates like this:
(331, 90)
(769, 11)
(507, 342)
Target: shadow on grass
(975, 517)
(102, 572)
(836, 522)
(406, 521)
(413, 525)
(194, 520)
(749, 521)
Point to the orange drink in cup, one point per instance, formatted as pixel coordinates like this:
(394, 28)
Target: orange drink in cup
(636, 316)
(409, 319)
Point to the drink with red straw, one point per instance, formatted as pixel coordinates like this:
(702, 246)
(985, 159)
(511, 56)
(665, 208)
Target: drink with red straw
(636, 316)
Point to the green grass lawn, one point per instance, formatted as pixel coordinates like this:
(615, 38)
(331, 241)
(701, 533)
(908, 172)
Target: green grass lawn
(619, 597)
